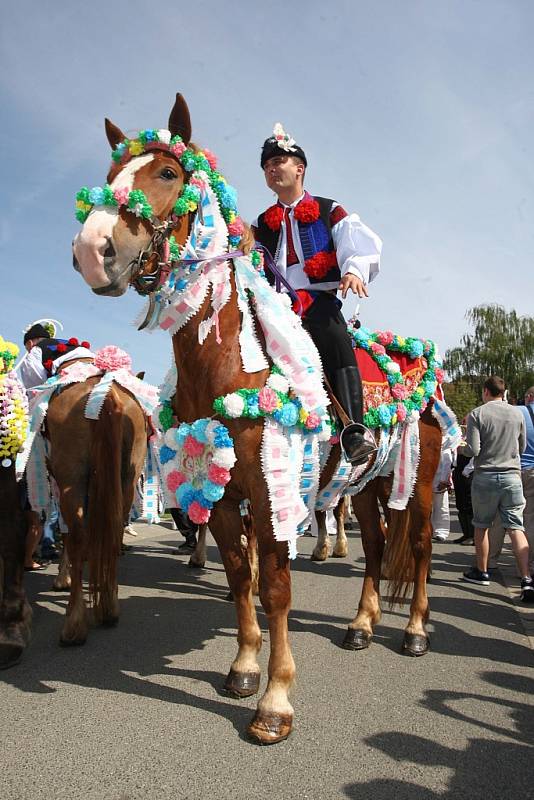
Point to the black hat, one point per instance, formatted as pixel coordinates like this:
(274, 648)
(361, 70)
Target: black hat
(281, 142)
(36, 332)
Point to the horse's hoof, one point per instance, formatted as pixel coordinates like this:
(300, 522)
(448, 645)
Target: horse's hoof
(322, 555)
(270, 728)
(10, 654)
(340, 554)
(242, 684)
(356, 639)
(196, 564)
(415, 644)
(56, 588)
(229, 597)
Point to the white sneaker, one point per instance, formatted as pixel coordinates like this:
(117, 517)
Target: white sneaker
(130, 530)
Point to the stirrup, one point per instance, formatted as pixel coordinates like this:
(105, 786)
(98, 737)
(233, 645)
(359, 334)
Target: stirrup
(355, 446)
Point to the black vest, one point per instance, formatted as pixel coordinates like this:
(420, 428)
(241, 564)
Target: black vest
(50, 352)
(315, 237)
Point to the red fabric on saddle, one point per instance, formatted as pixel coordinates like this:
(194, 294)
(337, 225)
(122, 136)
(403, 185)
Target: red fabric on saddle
(375, 384)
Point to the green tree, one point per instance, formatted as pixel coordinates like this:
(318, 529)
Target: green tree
(462, 396)
(502, 343)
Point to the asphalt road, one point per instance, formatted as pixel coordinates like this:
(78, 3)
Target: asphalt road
(138, 713)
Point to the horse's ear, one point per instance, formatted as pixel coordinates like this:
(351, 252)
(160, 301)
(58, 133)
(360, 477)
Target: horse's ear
(179, 120)
(114, 134)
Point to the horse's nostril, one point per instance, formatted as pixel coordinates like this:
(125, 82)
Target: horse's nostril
(110, 250)
(75, 263)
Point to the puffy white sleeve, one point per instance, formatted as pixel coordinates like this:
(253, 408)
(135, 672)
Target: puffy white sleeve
(357, 247)
(30, 370)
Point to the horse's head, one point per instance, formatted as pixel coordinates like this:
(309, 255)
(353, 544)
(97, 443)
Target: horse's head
(143, 199)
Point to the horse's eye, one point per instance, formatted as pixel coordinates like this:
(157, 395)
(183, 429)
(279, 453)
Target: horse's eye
(167, 174)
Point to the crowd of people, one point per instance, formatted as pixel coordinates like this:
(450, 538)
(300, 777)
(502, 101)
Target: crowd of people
(492, 474)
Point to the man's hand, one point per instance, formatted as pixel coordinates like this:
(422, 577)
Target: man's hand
(354, 283)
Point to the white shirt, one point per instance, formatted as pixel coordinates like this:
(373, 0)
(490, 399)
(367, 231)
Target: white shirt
(32, 372)
(357, 249)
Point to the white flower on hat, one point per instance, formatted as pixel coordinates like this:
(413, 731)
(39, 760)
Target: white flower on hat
(283, 139)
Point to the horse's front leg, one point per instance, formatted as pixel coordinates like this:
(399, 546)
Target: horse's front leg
(62, 581)
(198, 556)
(416, 641)
(360, 631)
(273, 719)
(323, 548)
(243, 679)
(341, 549)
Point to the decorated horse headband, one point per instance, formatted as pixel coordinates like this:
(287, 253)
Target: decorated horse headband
(199, 165)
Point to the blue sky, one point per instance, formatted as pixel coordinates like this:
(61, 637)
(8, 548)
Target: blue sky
(417, 115)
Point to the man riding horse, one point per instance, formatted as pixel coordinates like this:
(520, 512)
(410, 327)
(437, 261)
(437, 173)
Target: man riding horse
(319, 248)
(45, 354)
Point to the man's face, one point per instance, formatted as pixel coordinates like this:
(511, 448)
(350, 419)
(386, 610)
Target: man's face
(283, 172)
(529, 398)
(31, 343)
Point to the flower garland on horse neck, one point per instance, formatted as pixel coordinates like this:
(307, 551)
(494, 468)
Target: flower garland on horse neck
(13, 406)
(388, 414)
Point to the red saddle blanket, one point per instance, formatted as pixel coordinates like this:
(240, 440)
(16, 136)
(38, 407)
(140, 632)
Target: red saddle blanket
(375, 384)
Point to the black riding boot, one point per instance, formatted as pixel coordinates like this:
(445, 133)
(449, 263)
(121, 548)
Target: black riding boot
(349, 392)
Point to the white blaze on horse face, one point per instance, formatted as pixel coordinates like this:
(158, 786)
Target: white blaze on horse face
(92, 241)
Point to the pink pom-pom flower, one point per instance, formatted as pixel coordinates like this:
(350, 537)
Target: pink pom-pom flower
(313, 420)
(175, 479)
(210, 158)
(379, 349)
(177, 149)
(198, 513)
(110, 358)
(267, 400)
(399, 391)
(193, 447)
(401, 412)
(236, 228)
(440, 375)
(385, 337)
(218, 475)
(121, 195)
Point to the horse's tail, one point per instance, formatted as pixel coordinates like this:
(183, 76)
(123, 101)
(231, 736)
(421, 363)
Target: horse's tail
(105, 521)
(399, 563)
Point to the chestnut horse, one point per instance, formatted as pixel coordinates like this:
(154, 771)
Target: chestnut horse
(96, 464)
(110, 252)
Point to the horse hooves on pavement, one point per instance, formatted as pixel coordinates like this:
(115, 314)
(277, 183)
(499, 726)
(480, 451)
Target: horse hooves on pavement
(356, 639)
(242, 684)
(415, 644)
(10, 655)
(343, 554)
(196, 564)
(55, 588)
(270, 728)
(321, 556)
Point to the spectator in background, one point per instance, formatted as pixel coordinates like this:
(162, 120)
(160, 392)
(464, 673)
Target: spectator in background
(496, 436)
(461, 478)
(527, 473)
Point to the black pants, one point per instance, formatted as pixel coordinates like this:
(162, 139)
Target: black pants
(462, 494)
(327, 327)
(187, 528)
